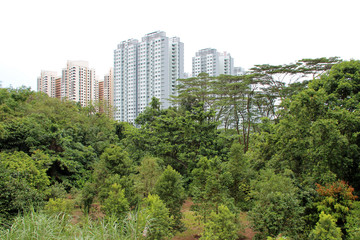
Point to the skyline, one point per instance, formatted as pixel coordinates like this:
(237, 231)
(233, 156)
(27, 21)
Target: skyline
(44, 35)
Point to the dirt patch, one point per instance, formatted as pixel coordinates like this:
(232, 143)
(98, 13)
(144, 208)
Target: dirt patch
(95, 213)
(247, 233)
(187, 205)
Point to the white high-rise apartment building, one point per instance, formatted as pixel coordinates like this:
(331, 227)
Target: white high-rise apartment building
(125, 80)
(210, 61)
(47, 83)
(78, 83)
(143, 70)
(238, 71)
(205, 61)
(226, 64)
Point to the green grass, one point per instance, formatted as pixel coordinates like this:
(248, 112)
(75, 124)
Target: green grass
(41, 226)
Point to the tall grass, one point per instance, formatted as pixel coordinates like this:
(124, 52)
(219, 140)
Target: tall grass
(40, 226)
(35, 225)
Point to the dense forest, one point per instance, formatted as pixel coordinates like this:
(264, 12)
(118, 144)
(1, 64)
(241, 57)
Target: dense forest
(278, 146)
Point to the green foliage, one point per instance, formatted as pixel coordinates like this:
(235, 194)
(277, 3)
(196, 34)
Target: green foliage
(276, 207)
(59, 206)
(49, 147)
(56, 190)
(39, 225)
(88, 194)
(326, 229)
(280, 237)
(210, 186)
(240, 171)
(150, 113)
(178, 137)
(169, 188)
(32, 169)
(276, 76)
(116, 203)
(16, 195)
(160, 221)
(318, 133)
(342, 84)
(196, 91)
(353, 222)
(116, 160)
(71, 137)
(137, 224)
(149, 172)
(34, 225)
(23, 181)
(221, 225)
(115, 166)
(336, 199)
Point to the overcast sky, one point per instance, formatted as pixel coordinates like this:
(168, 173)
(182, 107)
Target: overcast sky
(40, 35)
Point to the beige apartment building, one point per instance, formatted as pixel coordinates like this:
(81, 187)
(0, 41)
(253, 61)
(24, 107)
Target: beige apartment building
(107, 98)
(47, 83)
(79, 83)
(58, 87)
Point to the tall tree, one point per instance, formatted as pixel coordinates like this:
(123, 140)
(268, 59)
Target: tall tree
(179, 137)
(148, 173)
(170, 189)
(210, 186)
(195, 90)
(318, 133)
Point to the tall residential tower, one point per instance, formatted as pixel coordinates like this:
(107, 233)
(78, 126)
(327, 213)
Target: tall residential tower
(47, 83)
(210, 61)
(143, 70)
(78, 83)
(106, 90)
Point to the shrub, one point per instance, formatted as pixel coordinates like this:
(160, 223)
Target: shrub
(116, 204)
(353, 222)
(160, 221)
(326, 229)
(169, 188)
(221, 225)
(337, 200)
(59, 206)
(277, 206)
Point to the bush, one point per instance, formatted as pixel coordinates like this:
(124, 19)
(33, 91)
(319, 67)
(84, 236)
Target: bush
(59, 206)
(16, 195)
(160, 221)
(279, 238)
(353, 222)
(277, 206)
(221, 225)
(116, 204)
(326, 229)
(169, 188)
(56, 190)
(87, 196)
(336, 199)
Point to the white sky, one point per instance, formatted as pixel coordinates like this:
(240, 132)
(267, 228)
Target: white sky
(40, 35)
